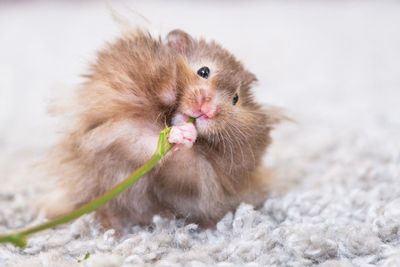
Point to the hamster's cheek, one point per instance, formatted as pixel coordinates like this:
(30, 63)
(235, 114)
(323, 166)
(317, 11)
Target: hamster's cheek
(168, 97)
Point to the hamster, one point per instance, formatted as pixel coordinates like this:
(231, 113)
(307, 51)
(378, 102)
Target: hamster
(137, 86)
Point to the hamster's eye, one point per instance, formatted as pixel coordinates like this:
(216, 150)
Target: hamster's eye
(204, 72)
(235, 99)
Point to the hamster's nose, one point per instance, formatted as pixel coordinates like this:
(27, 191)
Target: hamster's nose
(204, 105)
(208, 108)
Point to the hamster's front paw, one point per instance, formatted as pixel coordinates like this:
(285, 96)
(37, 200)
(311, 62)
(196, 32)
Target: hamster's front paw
(185, 134)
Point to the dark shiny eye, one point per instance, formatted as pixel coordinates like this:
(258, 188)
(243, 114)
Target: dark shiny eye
(235, 99)
(204, 72)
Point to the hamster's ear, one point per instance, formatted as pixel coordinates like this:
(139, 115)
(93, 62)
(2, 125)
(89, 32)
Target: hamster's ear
(179, 40)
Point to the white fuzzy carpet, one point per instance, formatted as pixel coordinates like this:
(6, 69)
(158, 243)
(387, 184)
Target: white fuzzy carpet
(334, 65)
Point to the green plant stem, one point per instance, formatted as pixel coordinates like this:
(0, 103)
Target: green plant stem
(163, 146)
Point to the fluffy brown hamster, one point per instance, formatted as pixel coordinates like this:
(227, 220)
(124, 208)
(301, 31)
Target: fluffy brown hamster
(137, 86)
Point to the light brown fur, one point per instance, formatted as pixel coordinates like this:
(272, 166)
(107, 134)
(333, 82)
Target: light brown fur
(132, 92)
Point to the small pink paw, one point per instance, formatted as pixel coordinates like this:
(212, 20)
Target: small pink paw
(185, 134)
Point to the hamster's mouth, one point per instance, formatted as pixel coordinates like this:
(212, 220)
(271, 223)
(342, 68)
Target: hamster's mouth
(202, 122)
(202, 116)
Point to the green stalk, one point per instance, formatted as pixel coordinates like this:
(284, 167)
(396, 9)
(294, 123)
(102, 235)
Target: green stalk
(163, 146)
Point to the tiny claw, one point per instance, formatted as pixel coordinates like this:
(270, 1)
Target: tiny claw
(175, 148)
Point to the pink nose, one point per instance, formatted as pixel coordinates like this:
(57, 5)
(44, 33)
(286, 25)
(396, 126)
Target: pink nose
(208, 109)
